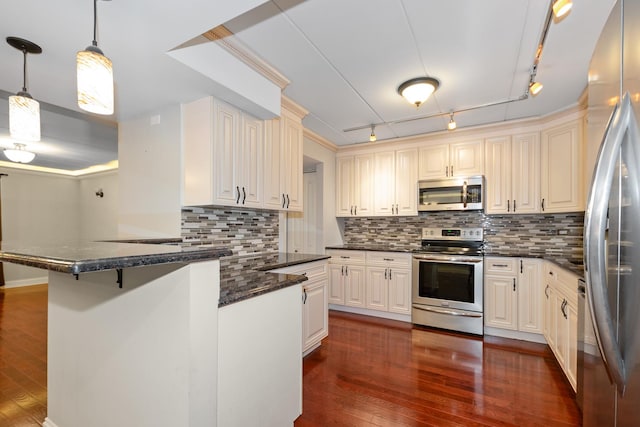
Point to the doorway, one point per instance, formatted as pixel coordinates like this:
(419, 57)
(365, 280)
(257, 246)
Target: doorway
(304, 229)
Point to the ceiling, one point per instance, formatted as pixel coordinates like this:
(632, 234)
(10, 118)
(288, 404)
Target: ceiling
(344, 60)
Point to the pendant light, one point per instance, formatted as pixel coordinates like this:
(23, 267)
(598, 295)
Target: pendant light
(373, 137)
(452, 123)
(417, 91)
(24, 111)
(561, 8)
(18, 154)
(95, 76)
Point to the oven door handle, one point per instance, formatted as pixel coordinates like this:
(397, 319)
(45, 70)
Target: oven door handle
(448, 259)
(449, 312)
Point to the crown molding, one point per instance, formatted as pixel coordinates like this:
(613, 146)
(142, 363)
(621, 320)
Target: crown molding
(312, 136)
(290, 105)
(224, 38)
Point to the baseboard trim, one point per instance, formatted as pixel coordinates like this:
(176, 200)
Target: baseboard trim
(374, 313)
(49, 423)
(516, 335)
(26, 282)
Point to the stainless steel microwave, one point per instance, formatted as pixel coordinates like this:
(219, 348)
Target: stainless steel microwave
(451, 194)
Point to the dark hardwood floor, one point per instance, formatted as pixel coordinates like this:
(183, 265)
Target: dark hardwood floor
(375, 372)
(368, 372)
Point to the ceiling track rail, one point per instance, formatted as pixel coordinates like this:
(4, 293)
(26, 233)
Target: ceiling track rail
(525, 95)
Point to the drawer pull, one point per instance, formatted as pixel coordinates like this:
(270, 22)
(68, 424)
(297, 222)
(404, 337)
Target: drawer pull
(344, 257)
(388, 259)
(500, 265)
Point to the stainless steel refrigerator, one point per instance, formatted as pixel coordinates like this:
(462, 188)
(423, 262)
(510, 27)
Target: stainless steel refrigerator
(609, 372)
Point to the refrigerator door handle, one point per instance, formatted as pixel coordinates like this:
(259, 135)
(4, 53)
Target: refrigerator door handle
(622, 121)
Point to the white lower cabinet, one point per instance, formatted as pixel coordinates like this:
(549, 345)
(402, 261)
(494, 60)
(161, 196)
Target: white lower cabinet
(377, 282)
(561, 318)
(315, 309)
(513, 298)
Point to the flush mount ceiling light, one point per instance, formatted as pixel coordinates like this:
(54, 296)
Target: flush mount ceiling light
(18, 154)
(372, 137)
(418, 90)
(452, 123)
(24, 111)
(561, 8)
(95, 76)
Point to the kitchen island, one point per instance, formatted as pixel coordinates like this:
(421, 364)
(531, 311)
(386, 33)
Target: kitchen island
(134, 333)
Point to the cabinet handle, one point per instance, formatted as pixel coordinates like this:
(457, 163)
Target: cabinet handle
(345, 257)
(546, 291)
(244, 195)
(346, 270)
(451, 170)
(283, 200)
(514, 284)
(388, 259)
(562, 308)
(508, 205)
(287, 201)
(238, 197)
(385, 273)
(304, 296)
(355, 210)
(514, 205)
(542, 205)
(351, 210)
(396, 209)
(389, 274)
(446, 171)
(342, 271)
(499, 265)
(521, 267)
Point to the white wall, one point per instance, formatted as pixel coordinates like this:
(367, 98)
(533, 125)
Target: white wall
(331, 234)
(99, 215)
(44, 209)
(150, 175)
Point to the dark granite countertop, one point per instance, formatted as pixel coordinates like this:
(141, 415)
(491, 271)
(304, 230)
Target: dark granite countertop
(377, 248)
(243, 277)
(82, 257)
(152, 240)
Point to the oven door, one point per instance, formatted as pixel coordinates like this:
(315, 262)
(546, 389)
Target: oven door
(450, 282)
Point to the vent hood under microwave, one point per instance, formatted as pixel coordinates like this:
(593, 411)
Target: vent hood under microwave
(451, 194)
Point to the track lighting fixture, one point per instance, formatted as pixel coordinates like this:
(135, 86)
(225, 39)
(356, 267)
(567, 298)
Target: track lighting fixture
(561, 8)
(535, 88)
(372, 137)
(95, 76)
(24, 111)
(452, 123)
(417, 91)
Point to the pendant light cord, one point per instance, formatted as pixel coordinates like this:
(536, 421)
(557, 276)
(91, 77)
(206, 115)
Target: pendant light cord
(24, 70)
(95, 20)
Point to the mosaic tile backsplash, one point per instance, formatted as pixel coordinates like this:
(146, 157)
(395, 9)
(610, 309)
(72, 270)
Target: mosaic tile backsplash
(522, 235)
(243, 231)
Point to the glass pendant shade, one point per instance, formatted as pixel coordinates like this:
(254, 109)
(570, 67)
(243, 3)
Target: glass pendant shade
(18, 154)
(561, 7)
(24, 117)
(95, 81)
(417, 91)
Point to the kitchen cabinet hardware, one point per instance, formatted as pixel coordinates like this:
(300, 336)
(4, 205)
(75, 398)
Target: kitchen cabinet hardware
(244, 195)
(446, 171)
(238, 196)
(508, 205)
(388, 259)
(542, 205)
(514, 205)
(351, 210)
(345, 257)
(546, 291)
(563, 307)
(451, 170)
(514, 284)
(389, 274)
(304, 295)
(342, 273)
(346, 270)
(385, 274)
(287, 201)
(119, 279)
(283, 201)
(500, 265)
(521, 268)
(355, 210)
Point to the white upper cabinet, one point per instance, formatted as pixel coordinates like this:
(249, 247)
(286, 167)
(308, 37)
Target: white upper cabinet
(562, 164)
(453, 159)
(396, 182)
(222, 155)
(354, 196)
(512, 174)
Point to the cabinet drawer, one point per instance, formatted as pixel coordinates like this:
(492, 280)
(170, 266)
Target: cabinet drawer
(389, 259)
(500, 265)
(310, 269)
(343, 256)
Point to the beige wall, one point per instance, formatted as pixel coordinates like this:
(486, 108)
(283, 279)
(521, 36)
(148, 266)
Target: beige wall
(44, 209)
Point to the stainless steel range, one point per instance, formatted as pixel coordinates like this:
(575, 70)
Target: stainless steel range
(448, 280)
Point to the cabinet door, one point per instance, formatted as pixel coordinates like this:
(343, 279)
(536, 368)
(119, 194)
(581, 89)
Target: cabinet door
(344, 186)
(572, 345)
(272, 161)
(249, 161)
(498, 175)
(291, 138)
(549, 328)
(377, 290)
(525, 178)
(406, 182)
(385, 185)
(561, 324)
(354, 286)
(226, 124)
(197, 123)
(467, 158)
(315, 322)
(363, 185)
(336, 284)
(433, 161)
(501, 302)
(561, 152)
(530, 309)
(399, 290)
